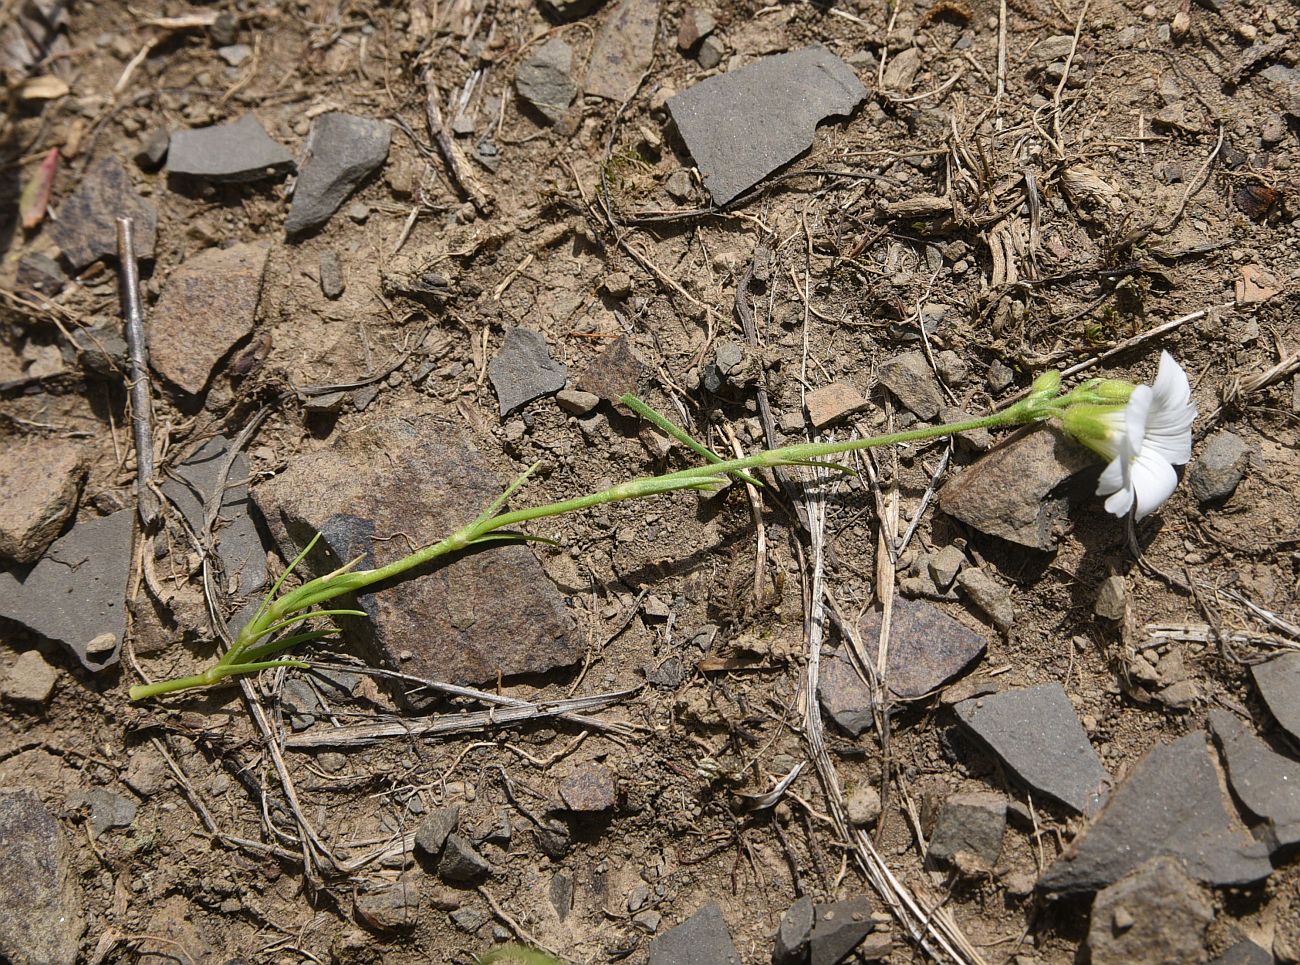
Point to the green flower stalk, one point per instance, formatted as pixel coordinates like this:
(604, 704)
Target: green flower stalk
(280, 624)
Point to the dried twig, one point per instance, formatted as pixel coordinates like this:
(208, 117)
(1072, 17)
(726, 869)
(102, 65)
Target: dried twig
(459, 170)
(138, 352)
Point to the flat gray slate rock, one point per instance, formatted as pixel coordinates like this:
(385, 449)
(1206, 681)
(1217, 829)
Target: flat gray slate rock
(743, 125)
(702, 939)
(1171, 804)
(1036, 734)
(240, 151)
(239, 545)
(341, 151)
(1278, 681)
(523, 370)
(87, 227)
(77, 593)
(1266, 782)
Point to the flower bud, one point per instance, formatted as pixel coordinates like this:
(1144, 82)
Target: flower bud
(1098, 427)
(1046, 385)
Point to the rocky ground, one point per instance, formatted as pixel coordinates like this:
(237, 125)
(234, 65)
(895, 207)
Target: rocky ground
(938, 706)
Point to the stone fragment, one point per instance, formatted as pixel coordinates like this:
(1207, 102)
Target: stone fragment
(235, 54)
(1155, 915)
(41, 915)
(829, 404)
(238, 542)
(146, 775)
(300, 702)
(1112, 598)
(900, 71)
(87, 227)
(614, 372)
(30, 680)
(1267, 783)
(623, 49)
(969, 831)
(863, 806)
(40, 483)
(153, 149)
(743, 125)
(927, 648)
(1011, 492)
(38, 272)
(710, 53)
(617, 284)
(469, 919)
(794, 933)
(77, 593)
(577, 402)
(543, 79)
(702, 939)
(695, 25)
(567, 10)
(1219, 468)
(239, 151)
(331, 274)
(207, 306)
(1278, 681)
(105, 809)
(1245, 952)
(341, 151)
(1037, 735)
(461, 864)
(838, 927)
(589, 789)
(1170, 804)
(463, 622)
(945, 565)
(435, 830)
(523, 370)
(844, 695)
(394, 907)
(101, 352)
(991, 597)
(909, 378)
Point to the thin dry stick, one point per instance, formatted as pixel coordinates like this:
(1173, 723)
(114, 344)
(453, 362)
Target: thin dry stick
(138, 352)
(457, 168)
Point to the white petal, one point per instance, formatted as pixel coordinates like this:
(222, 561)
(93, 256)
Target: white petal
(1120, 503)
(1154, 481)
(1171, 388)
(1112, 478)
(1174, 447)
(1135, 418)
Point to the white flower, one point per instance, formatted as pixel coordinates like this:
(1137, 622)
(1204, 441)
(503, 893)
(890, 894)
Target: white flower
(1146, 439)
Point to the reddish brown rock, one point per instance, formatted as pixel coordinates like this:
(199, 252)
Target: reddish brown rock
(40, 481)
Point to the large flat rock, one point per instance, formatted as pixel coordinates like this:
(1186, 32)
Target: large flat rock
(1278, 681)
(387, 488)
(1171, 804)
(207, 306)
(743, 125)
(341, 151)
(41, 916)
(1036, 734)
(927, 648)
(238, 151)
(77, 593)
(1267, 783)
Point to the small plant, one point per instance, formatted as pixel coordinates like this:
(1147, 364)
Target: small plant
(1095, 413)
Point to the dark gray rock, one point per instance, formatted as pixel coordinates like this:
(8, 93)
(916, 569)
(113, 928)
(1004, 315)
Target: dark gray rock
(331, 274)
(391, 908)
(969, 831)
(909, 377)
(1171, 804)
(1278, 681)
(153, 149)
(463, 622)
(461, 864)
(844, 695)
(989, 596)
(1036, 734)
(1245, 952)
(435, 830)
(300, 703)
(742, 126)
(341, 152)
(101, 352)
(239, 151)
(567, 10)
(207, 306)
(794, 934)
(1267, 783)
(1214, 474)
(523, 370)
(39, 273)
(239, 545)
(41, 916)
(76, 594)
(1012, 492)
(40, 483)
(623, 49)
(105, 810)
(1155, 915)
(87, 227)
(543, 79)
(838, 928)
(561, 895)
(589, 789)
(702, 939)
(30, 680)
(927, 648)
(1285, 82)
(469, 919)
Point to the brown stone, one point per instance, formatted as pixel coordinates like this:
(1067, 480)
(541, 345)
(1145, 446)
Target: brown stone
(40, 481)
(87, 227)
(589, 789)
(1156, 915)
(615, 371)
(208, 305)
(927, 648)
(624, 46)
(831, 403)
